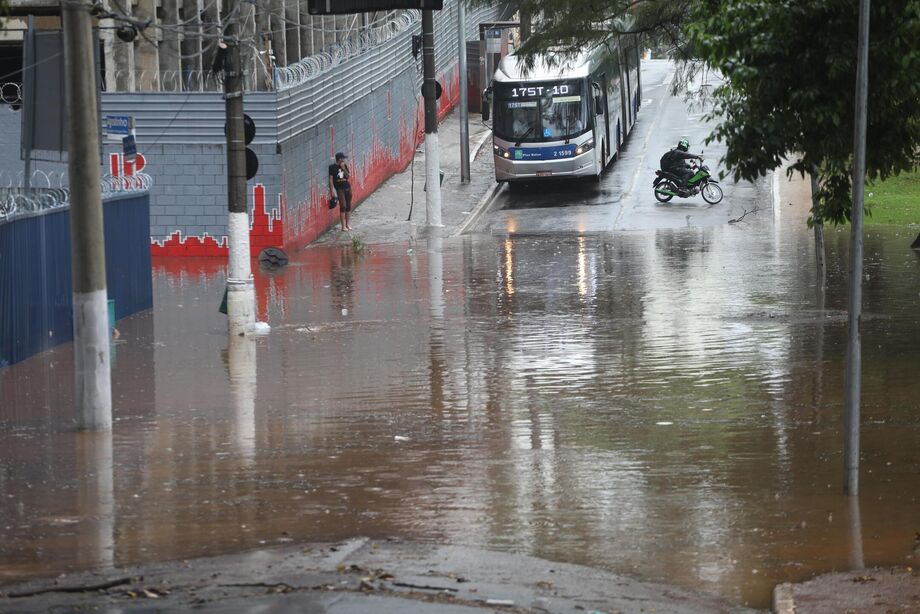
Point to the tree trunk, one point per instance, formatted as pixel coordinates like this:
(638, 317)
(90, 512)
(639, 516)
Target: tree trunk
(820, 263)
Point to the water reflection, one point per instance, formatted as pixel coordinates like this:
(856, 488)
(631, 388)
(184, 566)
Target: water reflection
(241, 367)
(95, 500)
(652, 403)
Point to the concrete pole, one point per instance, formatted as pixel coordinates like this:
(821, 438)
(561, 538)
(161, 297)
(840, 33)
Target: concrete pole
(464, 103)
(93, 385)
(241, 297)
(432, 160)
(854, 358)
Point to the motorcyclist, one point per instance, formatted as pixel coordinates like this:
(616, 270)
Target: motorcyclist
(673, 161)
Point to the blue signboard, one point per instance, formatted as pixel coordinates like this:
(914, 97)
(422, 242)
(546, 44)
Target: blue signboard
(556, 152)
(118, 127)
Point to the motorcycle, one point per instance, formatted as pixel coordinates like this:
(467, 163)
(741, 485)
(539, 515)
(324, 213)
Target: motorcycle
(667, 185)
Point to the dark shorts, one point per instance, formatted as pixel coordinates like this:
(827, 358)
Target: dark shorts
(344, 199)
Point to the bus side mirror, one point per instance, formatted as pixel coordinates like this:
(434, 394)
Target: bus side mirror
(598, 105)
(486, 103)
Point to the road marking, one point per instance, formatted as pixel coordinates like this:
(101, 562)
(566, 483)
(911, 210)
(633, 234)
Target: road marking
(648, 136)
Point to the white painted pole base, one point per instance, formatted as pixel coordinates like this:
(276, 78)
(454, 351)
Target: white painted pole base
(92, 363)
(432, 181)
(241, 295)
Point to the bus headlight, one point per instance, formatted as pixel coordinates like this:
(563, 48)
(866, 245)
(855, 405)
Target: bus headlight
(587, 146)
(500, 152)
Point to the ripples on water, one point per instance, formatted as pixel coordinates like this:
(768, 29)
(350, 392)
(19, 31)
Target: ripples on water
(665, 405)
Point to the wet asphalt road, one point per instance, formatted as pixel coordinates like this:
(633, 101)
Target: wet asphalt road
(623, 200)
(662, 403)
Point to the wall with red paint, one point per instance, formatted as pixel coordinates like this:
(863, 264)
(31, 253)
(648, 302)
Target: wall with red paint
(379, 132)
(367, 106)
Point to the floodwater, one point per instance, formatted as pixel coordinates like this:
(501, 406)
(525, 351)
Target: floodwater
(663, 404)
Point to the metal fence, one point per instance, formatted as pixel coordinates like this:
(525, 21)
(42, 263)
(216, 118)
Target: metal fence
(302, 71)
(377, 39)
(49, 190)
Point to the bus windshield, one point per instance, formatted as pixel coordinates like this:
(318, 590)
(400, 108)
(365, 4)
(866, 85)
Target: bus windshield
(539, 112)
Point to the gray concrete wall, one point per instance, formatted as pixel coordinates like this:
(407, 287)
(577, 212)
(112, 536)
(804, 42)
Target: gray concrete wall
(10, 162)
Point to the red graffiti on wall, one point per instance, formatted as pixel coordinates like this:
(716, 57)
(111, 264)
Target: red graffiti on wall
(308, 219)
(266, 229)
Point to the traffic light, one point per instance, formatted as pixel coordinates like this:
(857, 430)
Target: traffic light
(249, 133)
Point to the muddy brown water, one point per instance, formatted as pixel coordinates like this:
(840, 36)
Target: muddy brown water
(663, 404)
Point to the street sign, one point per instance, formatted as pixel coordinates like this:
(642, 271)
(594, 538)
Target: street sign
(117, 127)
(340, 7)
(129, 147)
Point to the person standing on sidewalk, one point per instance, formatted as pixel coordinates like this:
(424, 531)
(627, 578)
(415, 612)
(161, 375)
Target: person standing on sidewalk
(339, 174)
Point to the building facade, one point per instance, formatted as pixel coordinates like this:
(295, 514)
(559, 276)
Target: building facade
(315, 85)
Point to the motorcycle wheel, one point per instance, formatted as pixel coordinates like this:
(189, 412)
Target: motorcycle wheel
(711, 193)
(667, 185)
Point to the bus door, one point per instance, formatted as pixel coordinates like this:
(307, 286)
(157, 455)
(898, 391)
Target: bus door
(600, 98)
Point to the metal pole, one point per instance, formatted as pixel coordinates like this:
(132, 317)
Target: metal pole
(92, 366)
(854, 360)
(432, 161)
(27, 98)
(240, 290)
(464, 103)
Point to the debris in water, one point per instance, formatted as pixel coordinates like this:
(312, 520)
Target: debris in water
(400, 438)
(664, 423)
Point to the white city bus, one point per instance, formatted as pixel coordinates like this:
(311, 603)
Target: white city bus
(567, 120)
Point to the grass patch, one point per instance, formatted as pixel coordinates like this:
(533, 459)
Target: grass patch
(895, 201)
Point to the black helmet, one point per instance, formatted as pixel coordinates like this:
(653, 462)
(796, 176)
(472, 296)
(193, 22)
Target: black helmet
(683, 144)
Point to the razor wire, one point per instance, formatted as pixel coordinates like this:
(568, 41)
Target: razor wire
(309, 67)
(166, 80)
(11, 93)
(48, 190)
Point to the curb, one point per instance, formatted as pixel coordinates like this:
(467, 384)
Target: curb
(482, 141)
(479, 209)
(486, 198)
(783, 599)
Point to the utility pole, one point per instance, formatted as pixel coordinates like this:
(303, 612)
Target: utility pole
(854, 358)
(432, 159)
(241, 297)
(464, 105)
(92, 366)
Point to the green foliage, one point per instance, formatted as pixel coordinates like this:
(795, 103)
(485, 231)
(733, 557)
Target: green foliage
(790, 83)
(569, 26)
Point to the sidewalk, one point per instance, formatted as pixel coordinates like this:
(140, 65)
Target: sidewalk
(358, 575)
(383, 216)
(864, 591)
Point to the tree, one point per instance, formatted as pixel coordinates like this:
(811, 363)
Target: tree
(569, 26)
(790, 68)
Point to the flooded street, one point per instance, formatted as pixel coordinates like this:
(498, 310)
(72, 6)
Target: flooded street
(664, 404)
